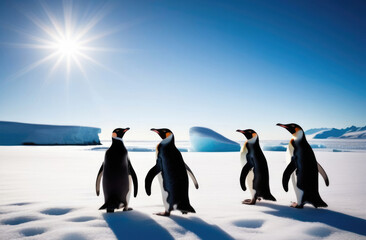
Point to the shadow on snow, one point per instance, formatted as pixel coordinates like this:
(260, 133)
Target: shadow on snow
(135, 225)
(331, 218)
(201, 228)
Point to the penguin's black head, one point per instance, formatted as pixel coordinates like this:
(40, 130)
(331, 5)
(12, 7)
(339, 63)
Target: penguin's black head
(163, 132)
(293, 128)
(248, 133)
(119, 132)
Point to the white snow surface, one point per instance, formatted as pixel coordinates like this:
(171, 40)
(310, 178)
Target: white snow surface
(48, 192)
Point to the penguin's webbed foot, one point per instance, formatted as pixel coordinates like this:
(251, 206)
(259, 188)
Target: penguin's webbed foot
(127, 209)
(184, 212)
(295, 205)
(164, 214)
(249, 201)
(110, 210)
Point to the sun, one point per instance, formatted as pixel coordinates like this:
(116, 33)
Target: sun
(66, 40)
(68, 47)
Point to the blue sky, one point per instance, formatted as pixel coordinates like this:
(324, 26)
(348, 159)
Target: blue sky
(177, 64)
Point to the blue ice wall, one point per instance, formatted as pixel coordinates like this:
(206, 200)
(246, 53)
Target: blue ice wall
(207, 140)
(14, 133)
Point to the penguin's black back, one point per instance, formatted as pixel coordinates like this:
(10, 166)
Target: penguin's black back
(175, 178)
(115, 175)
(306, 164)
(257, 159)
(307, 172)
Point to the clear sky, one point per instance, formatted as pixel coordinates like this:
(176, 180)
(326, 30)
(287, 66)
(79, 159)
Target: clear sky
(177, 64)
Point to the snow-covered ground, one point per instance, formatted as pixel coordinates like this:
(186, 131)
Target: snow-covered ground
(49, 193)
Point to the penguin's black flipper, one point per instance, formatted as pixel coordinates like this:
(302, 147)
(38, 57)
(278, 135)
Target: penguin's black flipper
(243, 175)
(190, 173)
(287, 174)
(134, 178)
(99, 177)
(149, 178)
(324, 174)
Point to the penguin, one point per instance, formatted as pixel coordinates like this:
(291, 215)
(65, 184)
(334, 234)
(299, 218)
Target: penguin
(300, 157)
(255, 169)
(172, 175)
(118, 175)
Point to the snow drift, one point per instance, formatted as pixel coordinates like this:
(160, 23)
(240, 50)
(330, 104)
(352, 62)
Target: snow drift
(207, 140)
(14, 133)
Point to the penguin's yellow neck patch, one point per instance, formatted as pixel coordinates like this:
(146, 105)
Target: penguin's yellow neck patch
(114, 134)
(298, 134)
(254, 138)
(167, 134)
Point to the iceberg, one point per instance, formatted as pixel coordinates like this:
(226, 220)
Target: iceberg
(316, 130)
(15, 133)
(135, 149)
(333, 133)
(314, 145)
(360, 134)
(274, 148)
(206, 140)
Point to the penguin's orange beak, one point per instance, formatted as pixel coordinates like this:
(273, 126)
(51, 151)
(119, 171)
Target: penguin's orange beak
(246, 133)
(281, 125)
(126, 129)
(154, 130)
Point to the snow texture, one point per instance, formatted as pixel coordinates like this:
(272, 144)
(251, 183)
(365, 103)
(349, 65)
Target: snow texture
(48, 192)
(13, 133)
(346, 133)
(206, 140)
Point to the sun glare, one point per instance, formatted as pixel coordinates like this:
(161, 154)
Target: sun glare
(67, 40)
(68, 47)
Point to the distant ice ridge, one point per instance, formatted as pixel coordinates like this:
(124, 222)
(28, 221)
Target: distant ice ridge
(135, 149)
(14, 133)
(207, 140)
(281, 148)
(344, 133)
(275, 148)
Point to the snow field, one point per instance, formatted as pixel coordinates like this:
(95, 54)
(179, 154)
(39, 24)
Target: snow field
(49, 193)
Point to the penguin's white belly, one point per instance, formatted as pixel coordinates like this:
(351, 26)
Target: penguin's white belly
(243, 155)
(250, 176)
(129, 190)
(164, 193)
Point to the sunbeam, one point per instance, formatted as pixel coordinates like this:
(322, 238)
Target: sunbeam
(65, 40)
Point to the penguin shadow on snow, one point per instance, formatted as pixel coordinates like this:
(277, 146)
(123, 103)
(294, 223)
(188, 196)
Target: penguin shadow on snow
(201, 228)
(135, 225)
(331, 218)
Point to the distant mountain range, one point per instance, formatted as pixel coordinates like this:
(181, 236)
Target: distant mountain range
(344, 133)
